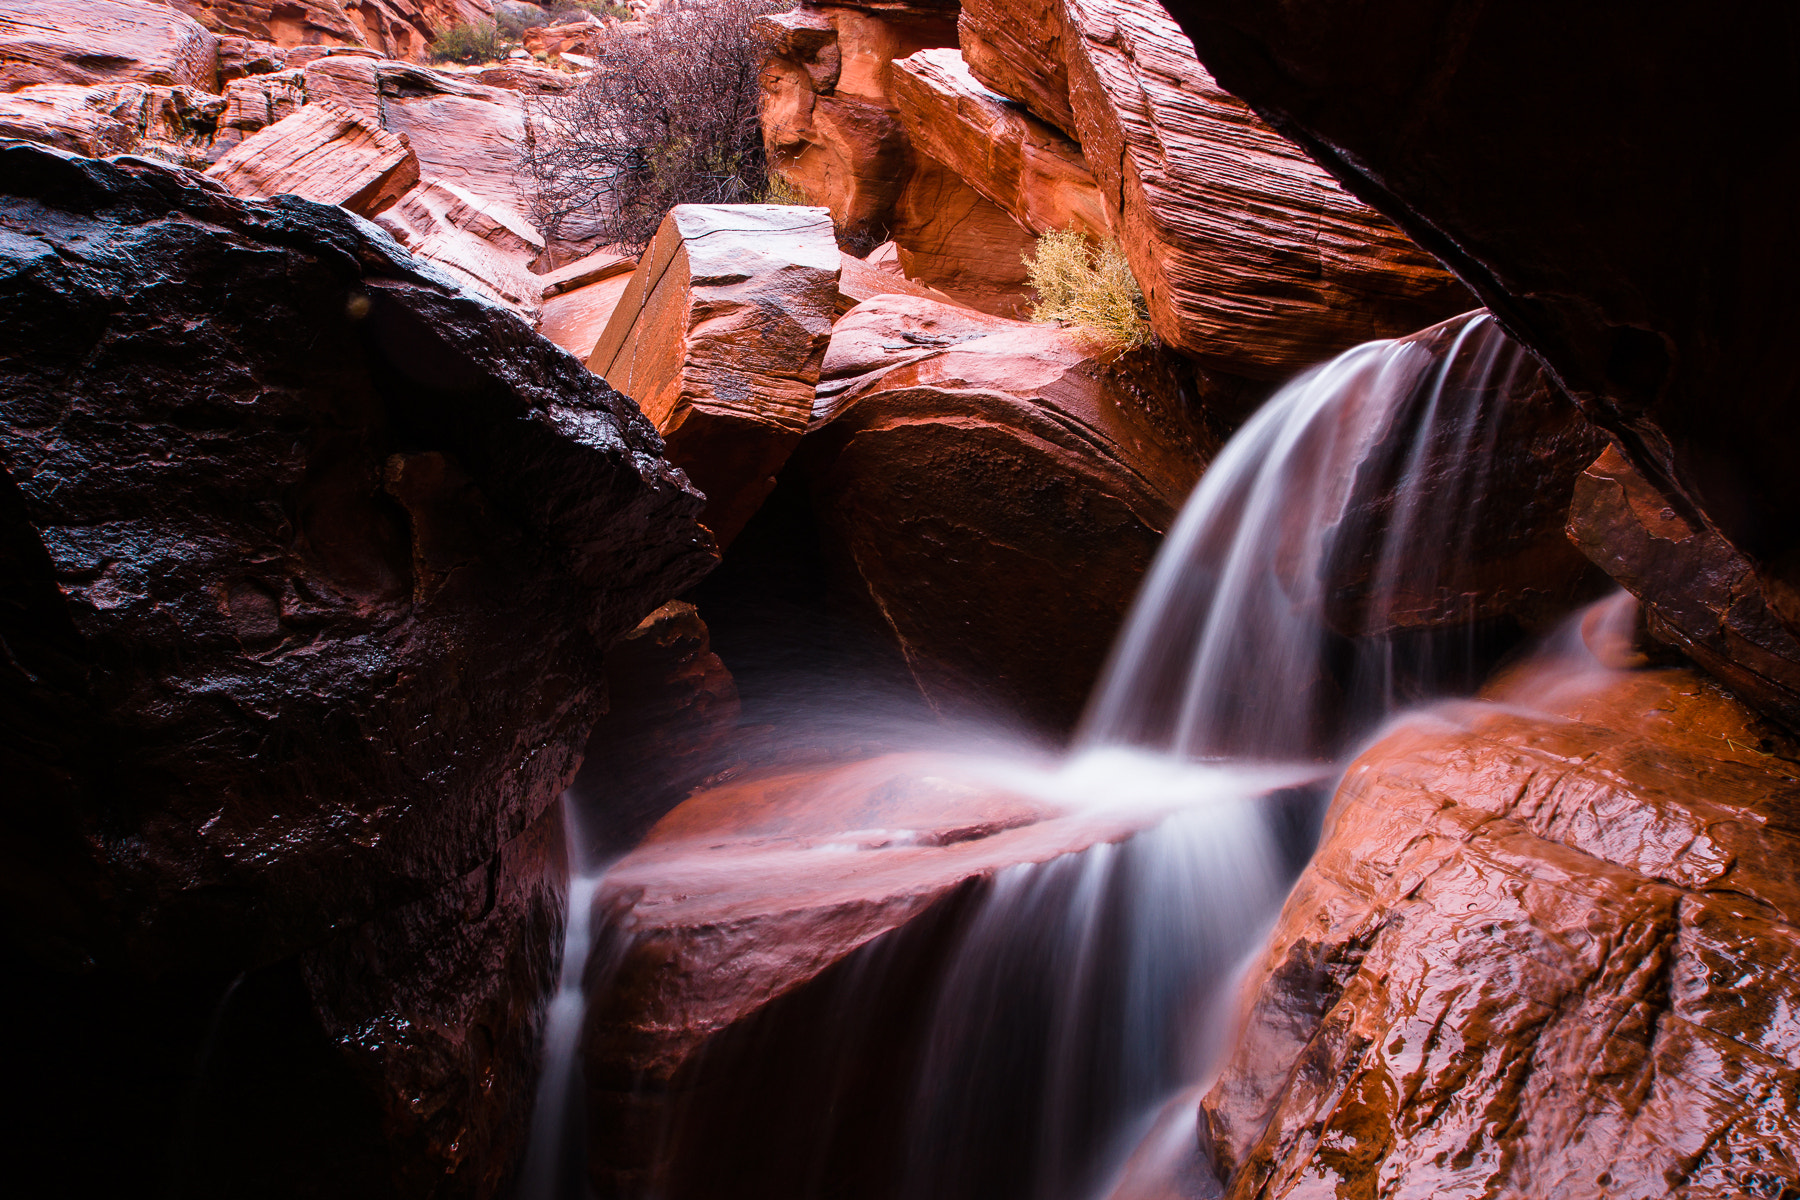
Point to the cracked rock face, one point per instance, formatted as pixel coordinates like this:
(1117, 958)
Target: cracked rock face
(1536, 955)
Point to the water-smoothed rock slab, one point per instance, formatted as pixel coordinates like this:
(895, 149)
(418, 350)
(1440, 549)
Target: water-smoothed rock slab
(324, 153)
(746, 894)
(719, 338)
(103, 41)
(961, 463)
(1536, 956)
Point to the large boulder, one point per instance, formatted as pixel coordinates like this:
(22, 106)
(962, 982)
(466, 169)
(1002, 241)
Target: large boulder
(579, 300)
(713, 929)
(1536, 955)
(1604, 213)
(103, 41)
(719, 338)
(1016, 47)
(1698, 592)
(322, 153)
(1010, 157)
(313, 557)
(960, 462)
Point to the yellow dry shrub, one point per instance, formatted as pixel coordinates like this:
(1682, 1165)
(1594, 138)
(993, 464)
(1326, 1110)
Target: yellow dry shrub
(1088, 285)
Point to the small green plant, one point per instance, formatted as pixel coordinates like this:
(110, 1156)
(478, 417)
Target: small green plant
(1088, 285)
(472, 42)
(567, 9)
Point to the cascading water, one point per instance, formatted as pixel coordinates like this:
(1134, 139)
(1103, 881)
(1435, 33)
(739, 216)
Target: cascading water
(1294, 605)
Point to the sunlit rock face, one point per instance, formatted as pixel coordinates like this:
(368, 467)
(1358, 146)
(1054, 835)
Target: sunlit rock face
(1632, 274)
(996, 489)
(312, 560)
(1536, 955)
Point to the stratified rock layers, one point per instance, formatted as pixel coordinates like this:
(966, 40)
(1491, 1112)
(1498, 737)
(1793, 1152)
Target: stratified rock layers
(719, 337)
(312, 557)
(1536, 956)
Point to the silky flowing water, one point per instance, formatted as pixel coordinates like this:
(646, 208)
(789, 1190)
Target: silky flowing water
(1065, 1016)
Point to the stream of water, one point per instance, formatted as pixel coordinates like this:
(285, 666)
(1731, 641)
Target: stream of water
(1074, 997)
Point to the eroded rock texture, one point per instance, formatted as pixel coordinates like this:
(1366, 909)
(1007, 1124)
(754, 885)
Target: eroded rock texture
(719, 337)
(322, 153)
(312, 557)
(103, 41)
(1546, 955)
(1699, 594)
(962, 462)
(1559, 204)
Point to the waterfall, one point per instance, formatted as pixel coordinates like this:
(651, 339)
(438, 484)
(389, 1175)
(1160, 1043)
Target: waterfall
(1301, 598)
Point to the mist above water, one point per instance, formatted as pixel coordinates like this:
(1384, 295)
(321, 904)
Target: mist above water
(1023, 1044)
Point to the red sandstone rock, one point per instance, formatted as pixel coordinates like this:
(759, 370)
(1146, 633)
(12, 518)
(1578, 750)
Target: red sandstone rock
(1536, 956)
(951, 237)
(860, 280)
(395, 28)
(93, 121)
(257, 102)
(575, 319)
(830, 123)
(1251, 258)
(748, 891)
(1015, 160)
(103, 41)
(485, 246)
(719, 339)
(671, 707)
(323, 153)
(576, 37)
(1016, 48)
(348, 81)
(962, 461)
(242, 57)
(1699, 593)
(1563, 208)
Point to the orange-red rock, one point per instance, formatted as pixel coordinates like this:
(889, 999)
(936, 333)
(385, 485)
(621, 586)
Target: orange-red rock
(671, 706)
(748, 891)
(576, 37)
(323, 153)
(1699, 593)
(719, 339)
(396, 28)
(1024, 165)
(103, 41)
(257, 102)
(861, 280)
(1536, 956)
(575, 317)
(1252, 258)
(961, 462)
(1016, 48)
(94, 121)
(830, 123)
(486, 246)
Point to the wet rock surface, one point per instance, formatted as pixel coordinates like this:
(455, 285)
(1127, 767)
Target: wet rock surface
(961, 461)
(1535, 955)
(1560, 207)
(1699, 594)
(739, 899)
(312, 560)
(719, 337)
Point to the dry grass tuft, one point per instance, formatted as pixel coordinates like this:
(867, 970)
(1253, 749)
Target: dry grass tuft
(1091, 286)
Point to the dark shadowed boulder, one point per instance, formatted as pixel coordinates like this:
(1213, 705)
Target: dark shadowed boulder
(310, 561)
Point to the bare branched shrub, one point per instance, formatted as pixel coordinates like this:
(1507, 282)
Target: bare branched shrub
(1091, 286)
(669, 116)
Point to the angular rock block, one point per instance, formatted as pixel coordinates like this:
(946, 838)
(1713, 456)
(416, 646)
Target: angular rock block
(1022, 164)
(1016, 48)
(960, 462)
(579, 300)
(1252, 259)
(103, 41)
(720, 338)
(1699, 594)
(322, 153)
(488, 247)
(1536, 955)
(91, 121)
